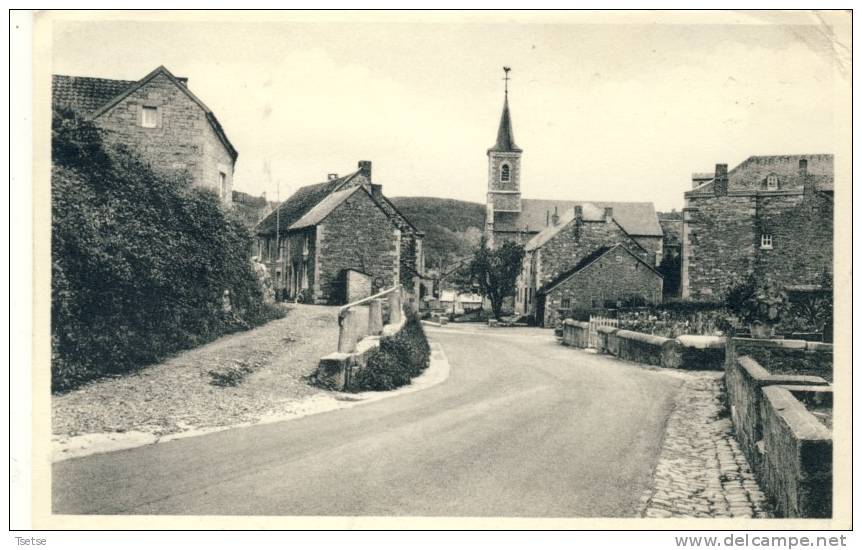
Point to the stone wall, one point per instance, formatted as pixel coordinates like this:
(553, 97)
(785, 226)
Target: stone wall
(183, 140)
(506, 201)
(576, 333)
(577, 240)
(801, 229)
(612, 277)
(720, 243)
(796, 470)
(722, 239)
(792, 357)
(648, 349)
(357, 235)
(789, 449)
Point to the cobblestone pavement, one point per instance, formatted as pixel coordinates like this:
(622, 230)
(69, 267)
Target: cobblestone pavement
(701, 471)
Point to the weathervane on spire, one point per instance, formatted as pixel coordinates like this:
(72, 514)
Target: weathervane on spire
(506, 79)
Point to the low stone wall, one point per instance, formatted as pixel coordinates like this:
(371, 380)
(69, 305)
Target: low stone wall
(337, 370)
(360, 329)
(648, 349)
(608, 342)
(576, 333)
(797, 461)
(702, 352)
(745, 380)
(793, 357)
(789, 449)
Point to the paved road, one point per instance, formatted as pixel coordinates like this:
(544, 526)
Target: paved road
(523, 427)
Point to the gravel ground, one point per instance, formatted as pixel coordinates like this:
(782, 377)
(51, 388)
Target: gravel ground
(178, 394)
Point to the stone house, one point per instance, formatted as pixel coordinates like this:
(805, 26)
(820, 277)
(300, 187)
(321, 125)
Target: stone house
(609, 276)
(561, 247)
(770, 215)
(328, 234)
(159, 118)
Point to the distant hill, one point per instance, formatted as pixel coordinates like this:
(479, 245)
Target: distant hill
(452, 228)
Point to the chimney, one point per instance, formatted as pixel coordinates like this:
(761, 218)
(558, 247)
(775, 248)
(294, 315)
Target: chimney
(376, 190)
(331, 177)
(547, 218)
(365, 168)
(719, 184)
(609, 214)
(555, 219)
(803, 167)
(579, 213)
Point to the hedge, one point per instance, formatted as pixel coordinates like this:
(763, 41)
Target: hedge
(140, 261)
(398, 360)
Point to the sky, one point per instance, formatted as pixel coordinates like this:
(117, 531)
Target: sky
(619, 110)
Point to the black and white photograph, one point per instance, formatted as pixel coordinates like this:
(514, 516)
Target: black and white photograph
(356, 269)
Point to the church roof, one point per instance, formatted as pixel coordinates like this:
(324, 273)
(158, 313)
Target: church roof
(505, 135)
(636, 218)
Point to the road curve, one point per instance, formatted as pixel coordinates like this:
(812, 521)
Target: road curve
(523, 427)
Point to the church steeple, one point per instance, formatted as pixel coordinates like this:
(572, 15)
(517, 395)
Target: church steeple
(504, 172)
(505, 135)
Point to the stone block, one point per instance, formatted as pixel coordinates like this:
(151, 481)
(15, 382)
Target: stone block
(796, 472)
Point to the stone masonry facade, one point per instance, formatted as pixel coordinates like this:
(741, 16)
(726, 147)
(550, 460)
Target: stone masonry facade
(614, 276)
(772, 216)
(179, 135)
(356, 235)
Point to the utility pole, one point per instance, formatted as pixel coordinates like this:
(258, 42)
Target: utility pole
(277, 244)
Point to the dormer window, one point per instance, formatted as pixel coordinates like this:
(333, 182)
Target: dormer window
(504, 173)
(772, 182)
(150, 117)
(766, 241)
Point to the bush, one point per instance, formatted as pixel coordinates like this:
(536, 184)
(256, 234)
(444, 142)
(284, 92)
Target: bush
(140, 261)
(397, 361)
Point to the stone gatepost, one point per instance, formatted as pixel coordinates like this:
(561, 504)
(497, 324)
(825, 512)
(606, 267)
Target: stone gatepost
(348, 332)
(375, 317)
(395, 307)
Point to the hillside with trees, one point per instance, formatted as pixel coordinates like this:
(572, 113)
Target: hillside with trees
(452, 228)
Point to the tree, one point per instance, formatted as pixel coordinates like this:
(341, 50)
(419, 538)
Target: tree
(494, 272)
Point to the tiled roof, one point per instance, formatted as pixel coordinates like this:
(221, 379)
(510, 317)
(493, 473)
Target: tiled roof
(636, 218)
(586, 261)
(85, 94)
(299, 204)
(322, 209)
(505, 135)
(750, 174)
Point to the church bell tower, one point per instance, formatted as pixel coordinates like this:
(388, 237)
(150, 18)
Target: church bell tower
(504, 172)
